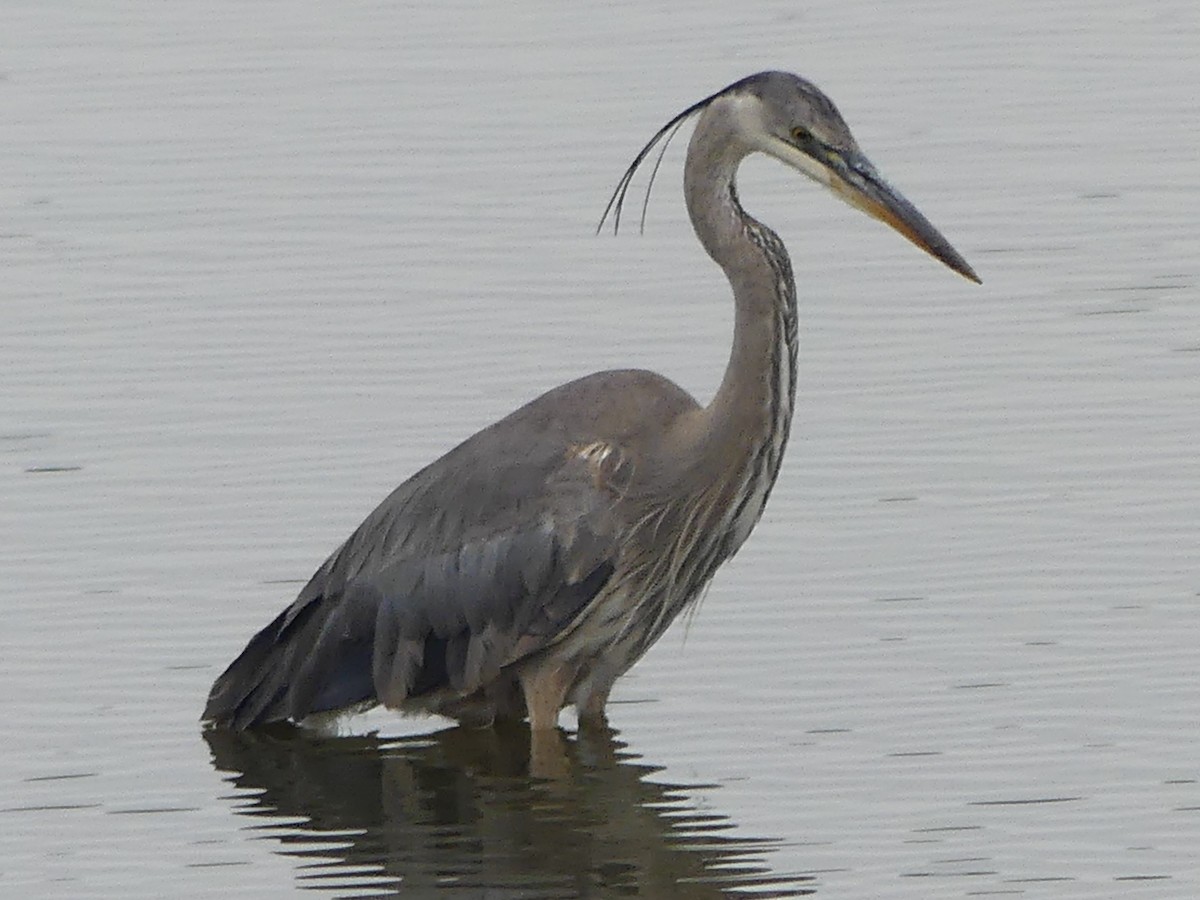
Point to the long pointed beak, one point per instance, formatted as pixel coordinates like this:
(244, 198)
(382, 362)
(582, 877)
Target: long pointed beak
(855, 180)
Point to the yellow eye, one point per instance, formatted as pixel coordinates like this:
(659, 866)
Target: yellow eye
(801, 135)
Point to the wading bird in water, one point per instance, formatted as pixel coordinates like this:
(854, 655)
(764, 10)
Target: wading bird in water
(532, 565)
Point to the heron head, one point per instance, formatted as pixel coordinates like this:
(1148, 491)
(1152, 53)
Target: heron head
(786, 117)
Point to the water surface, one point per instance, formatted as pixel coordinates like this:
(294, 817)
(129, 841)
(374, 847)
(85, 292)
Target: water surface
(262, 262)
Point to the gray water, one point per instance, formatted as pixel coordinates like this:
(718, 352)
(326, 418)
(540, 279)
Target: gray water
(262, 261)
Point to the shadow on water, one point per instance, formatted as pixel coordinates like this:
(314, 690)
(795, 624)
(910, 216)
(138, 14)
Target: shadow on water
(457, 812)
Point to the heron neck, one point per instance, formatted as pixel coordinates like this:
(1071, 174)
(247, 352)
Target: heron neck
(750, 414)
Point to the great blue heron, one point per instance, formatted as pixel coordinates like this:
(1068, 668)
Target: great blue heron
(533, 564)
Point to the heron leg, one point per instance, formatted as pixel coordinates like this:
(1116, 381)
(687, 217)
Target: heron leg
(592, 716)
(548, 755)
(545, 688)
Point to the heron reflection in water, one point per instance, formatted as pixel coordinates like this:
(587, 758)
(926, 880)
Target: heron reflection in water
(532, 565)
(460, 814)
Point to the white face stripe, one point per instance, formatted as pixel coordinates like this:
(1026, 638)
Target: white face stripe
(747, 113)
(801, 162)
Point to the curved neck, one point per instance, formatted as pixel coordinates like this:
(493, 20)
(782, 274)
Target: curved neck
(751, 411)
(717, 468)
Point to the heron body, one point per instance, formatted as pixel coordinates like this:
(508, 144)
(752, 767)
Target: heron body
(533, 564)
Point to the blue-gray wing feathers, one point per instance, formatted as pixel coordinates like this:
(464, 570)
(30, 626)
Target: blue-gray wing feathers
(486, 556)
